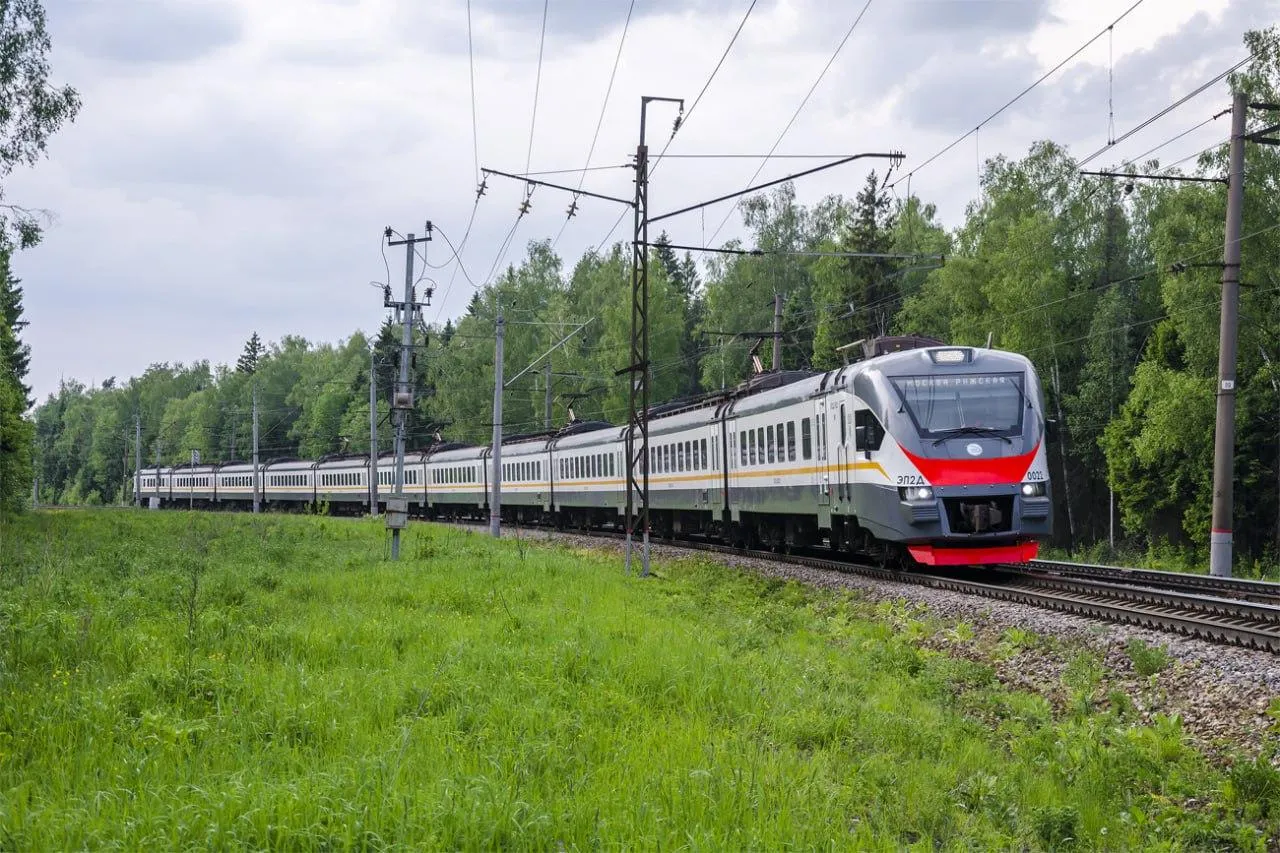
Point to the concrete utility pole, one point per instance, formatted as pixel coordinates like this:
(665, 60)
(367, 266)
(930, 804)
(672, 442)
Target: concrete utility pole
(137, 460)
(1220, 533)
(495, 503)
(257, 491)
(373, 434)
(402, 400)
(546, 376)
(777, 331)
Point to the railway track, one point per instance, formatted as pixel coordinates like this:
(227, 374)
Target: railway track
(1219, 610)
(1261, 592)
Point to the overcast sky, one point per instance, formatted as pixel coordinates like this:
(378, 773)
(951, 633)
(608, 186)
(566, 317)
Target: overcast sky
(235, 161)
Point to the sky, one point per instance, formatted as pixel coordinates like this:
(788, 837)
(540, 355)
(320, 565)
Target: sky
(236, 161)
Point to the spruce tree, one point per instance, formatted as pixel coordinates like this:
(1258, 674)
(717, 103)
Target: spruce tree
(248, 362)
(15, 356)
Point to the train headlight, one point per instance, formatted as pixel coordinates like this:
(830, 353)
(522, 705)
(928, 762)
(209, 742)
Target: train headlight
(915, 493)
(1033, 490)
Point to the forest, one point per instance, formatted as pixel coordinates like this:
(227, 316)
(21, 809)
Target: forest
(1111, 286)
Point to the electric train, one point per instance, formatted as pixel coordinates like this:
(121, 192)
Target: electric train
(918, 453)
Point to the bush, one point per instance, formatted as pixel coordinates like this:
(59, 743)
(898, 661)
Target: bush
(1056, 827)
(1147, 660)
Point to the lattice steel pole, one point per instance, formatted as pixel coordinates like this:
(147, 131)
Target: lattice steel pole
(638, 423)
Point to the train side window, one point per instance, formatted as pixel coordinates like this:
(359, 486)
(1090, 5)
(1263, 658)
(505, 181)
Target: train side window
(806, 440)
(703, 464)
(769, 443)
(791, 441)
(868, 434)
(751, 447)
(760, 444)
(844, 437)
(742, 446)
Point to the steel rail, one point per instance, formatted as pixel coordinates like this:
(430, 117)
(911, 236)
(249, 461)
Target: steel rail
(1238, 588)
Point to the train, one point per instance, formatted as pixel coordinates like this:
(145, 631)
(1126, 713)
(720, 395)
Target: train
(916, 453)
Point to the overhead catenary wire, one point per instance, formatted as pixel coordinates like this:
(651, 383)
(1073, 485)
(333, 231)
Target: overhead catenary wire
(683, 120)
(790, 122)
(475, 153)
(595, 137)
(505, 246)
(1045, 76)
(1164, 112)
(688, 114)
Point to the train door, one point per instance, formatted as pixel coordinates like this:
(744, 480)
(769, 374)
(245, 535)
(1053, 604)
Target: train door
(841, 440)
(822, 474)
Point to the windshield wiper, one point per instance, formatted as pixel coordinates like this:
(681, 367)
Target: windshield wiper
(972, 430)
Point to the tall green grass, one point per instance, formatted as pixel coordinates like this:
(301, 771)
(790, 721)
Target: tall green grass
(170, 680)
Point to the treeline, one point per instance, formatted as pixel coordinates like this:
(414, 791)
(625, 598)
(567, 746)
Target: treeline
(32, 109)
(1111, 287)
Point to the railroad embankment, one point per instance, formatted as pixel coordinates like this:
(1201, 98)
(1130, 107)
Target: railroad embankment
(179, 680)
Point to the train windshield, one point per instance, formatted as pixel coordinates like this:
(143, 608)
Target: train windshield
(963, 404)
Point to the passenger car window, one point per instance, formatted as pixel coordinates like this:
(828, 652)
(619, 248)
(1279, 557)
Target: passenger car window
(806, 440)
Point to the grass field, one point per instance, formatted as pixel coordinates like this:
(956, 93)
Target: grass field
(170, 680)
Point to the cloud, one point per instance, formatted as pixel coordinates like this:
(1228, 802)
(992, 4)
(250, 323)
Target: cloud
(146, 31)
(985, 17)
(235, 162)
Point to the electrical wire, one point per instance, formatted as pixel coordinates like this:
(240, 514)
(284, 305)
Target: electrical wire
(803, 102)
(1021, 94)
(471, 64)
(537, 85)
(687, 114)
(1164, 112)
(684, 119)
(599, 124)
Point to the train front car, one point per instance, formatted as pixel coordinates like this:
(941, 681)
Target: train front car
(957, 436)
